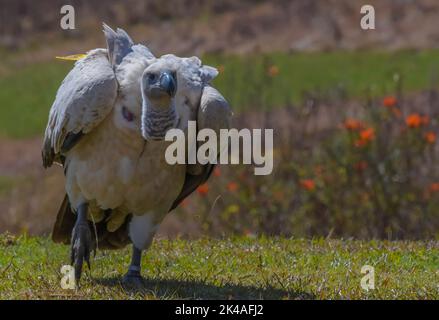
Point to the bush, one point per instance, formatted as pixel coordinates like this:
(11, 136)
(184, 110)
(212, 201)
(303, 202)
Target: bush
(342, 169)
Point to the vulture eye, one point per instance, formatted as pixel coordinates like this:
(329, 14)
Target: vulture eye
(151, 77)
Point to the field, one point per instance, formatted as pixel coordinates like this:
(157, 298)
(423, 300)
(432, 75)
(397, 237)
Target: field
(236, 268)
(326, 178)
(255, 82)
(355, 176)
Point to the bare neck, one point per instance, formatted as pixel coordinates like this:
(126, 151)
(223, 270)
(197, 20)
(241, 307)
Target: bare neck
(157, 121)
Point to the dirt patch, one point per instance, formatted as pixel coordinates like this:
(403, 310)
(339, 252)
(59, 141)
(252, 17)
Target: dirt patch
(31, 203)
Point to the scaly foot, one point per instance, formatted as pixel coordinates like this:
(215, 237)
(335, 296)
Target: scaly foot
(133, 279)
(81, 242)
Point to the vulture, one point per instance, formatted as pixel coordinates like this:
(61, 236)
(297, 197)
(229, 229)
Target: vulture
(107, 129)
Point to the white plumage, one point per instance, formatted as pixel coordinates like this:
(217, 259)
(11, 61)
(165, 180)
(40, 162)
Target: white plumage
(106, 128)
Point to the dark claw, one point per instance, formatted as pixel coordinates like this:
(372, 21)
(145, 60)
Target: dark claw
(82, 244)
(133, 279)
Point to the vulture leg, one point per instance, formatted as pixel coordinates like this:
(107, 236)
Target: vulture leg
(133, 277)
(81, 243)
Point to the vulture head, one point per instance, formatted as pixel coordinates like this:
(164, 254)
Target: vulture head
(158, 87)
(171, 91)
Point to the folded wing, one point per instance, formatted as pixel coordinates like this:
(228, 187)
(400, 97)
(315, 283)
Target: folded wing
(214, 113)
(84, 99)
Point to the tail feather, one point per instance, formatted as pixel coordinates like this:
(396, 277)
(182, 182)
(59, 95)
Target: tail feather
(65, 220)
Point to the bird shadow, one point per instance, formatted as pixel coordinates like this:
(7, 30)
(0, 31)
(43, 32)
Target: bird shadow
(168, 288)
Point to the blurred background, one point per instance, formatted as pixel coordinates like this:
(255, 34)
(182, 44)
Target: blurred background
(355, 113)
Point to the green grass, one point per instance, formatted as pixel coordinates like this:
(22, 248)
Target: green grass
(273, 268)
(26, 97)
(27, 92)
(6, 184)
(246, 84)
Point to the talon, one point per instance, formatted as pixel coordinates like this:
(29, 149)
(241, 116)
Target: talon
(133, 279)
(81, 240)
(81, 243)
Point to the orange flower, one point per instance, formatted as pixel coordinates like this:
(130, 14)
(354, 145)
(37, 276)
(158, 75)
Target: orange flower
(308, 184)
(217, 172)
(361, 165)
(273, 71)
(414, 120)
(203, 189)
(232, 186)
(352, 124)
(389, 101)
(220, 68)
(434, 187)
(367, 134)
(430, 137)
(360, 143)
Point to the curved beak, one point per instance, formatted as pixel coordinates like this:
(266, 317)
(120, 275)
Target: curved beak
(168, 83)
(164, 83)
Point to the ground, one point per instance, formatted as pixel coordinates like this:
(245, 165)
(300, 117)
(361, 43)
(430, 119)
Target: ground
(236, 268)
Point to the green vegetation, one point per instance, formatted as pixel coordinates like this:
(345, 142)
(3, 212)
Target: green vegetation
(275, 268)
(6, 184)
(372, 175)
(26, 96)
(248, 82)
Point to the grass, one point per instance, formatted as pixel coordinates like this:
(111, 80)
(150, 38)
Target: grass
(6, 184)
(28, 92)
(238, 268)
(356, 74)
(26, 97)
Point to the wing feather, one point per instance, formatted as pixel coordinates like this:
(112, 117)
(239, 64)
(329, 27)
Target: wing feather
(214, 113)
(84, 99)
